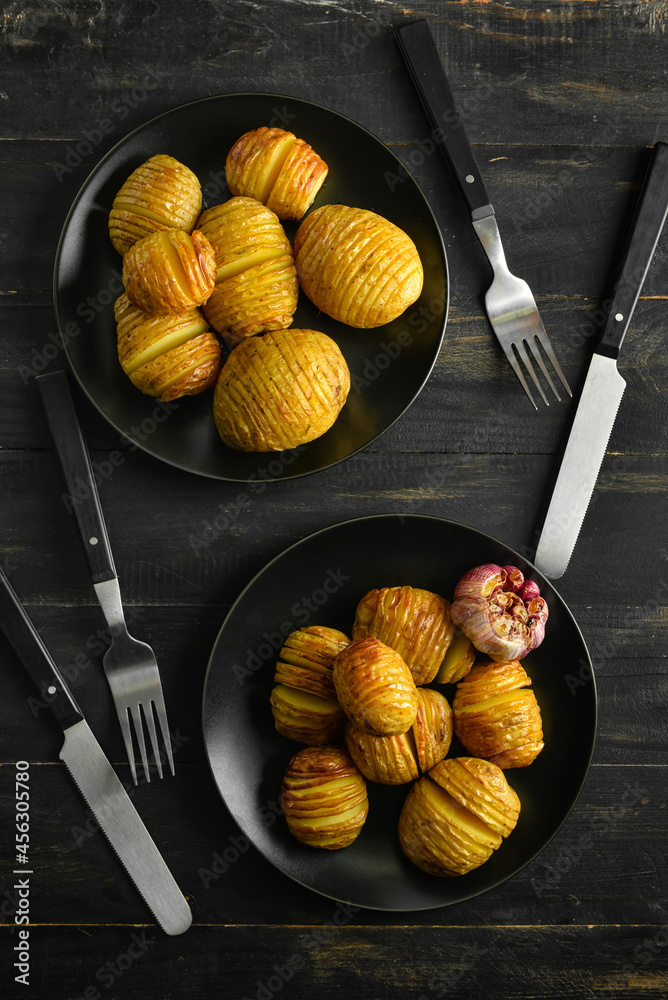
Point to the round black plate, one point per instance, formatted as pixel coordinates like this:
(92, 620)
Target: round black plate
(389, 365)
(319, 581)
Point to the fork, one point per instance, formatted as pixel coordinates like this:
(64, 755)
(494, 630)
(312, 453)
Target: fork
(130, 665)
(511, 307)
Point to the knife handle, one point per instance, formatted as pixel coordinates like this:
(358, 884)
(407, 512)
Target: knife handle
(35, 657)
(643, 237)
(83, 498)
(417, 46)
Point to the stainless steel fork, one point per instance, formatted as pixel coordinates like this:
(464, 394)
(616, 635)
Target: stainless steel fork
(130, 665)
(510, 305)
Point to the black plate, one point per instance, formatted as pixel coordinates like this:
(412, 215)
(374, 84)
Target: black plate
(389, 365)
(329, 572)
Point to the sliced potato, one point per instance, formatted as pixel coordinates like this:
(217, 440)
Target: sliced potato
(280, 390)
(159, 195)
(169, 272)
(356, 266)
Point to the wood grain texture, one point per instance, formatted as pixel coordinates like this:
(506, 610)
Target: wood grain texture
(562, 102)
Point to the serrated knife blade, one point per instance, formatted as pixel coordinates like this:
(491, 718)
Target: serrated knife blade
(93, 774)
(604, 386)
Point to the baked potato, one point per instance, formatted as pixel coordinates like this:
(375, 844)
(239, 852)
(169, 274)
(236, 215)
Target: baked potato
(256, 282)
(324, 797)
(160, 195)
(356, 266)
(280, 390)
(169, 272)
(394, 760)
(457, 815)
(415, 622)
(305, 717)
(375, 688)
(166, 356)
(496, 715)
(278, 169)
(307, 659)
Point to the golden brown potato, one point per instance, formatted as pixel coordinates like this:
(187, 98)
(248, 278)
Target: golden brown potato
(256, 281)
(161, 194)
(394, 760)
(324, 797)
(414, 622)
(496, 716)
(166, 356)
(457, 815)
(356, 266)
(307, 658)
(375, 688)
(280, 390)
(305, 717)
(458, 660)
(278, 169)
(169, 272)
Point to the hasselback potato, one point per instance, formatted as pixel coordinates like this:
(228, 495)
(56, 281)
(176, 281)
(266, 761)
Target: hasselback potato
(278, 169)
(169, 272)
(375, 688)
(280, 390)
(356, 266)
(324, 797)
(161, 194)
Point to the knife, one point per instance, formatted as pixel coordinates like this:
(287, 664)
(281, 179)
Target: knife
(97, 781)
(604, 386)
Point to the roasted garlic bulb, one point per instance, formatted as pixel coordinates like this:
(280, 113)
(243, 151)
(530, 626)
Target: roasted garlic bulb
(161, 194)
(503, 614)
(375, 688)
(305, 717)
(278, 169)
(457, 815)
(280, 390)
(458, 660)
(394, 760)
(169, 272)
(324, 797)
(496, 715)
(356, 266)
(256, 282)
(307, 658)
(166, 356)
(414, 622)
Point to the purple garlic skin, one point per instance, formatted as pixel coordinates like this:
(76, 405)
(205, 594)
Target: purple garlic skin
(502, 614)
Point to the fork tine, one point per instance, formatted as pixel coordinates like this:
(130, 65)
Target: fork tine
(161, 711)
(549, 350)
(150, 722)
(508, 351)
(127, 738)
(535, 350)
(522, 351)
(139, 733)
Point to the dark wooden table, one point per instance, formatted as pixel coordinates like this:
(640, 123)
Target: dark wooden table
(564, 101)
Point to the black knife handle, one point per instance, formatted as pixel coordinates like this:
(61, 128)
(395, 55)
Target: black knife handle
(82, 498)
(422, 59)
(35, 657)
(643, 237)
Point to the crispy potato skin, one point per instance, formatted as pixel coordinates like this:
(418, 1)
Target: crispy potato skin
(277, 168)
(324, 797)
(256, 284)
(307, 659)
(394, 760)
(315, 723)
(169, 272)
(497, 717)
(356, 266)
(375, 688)
(188, 368)
(280, 390)
(415, 622)
(160, 195)
(456, 816)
